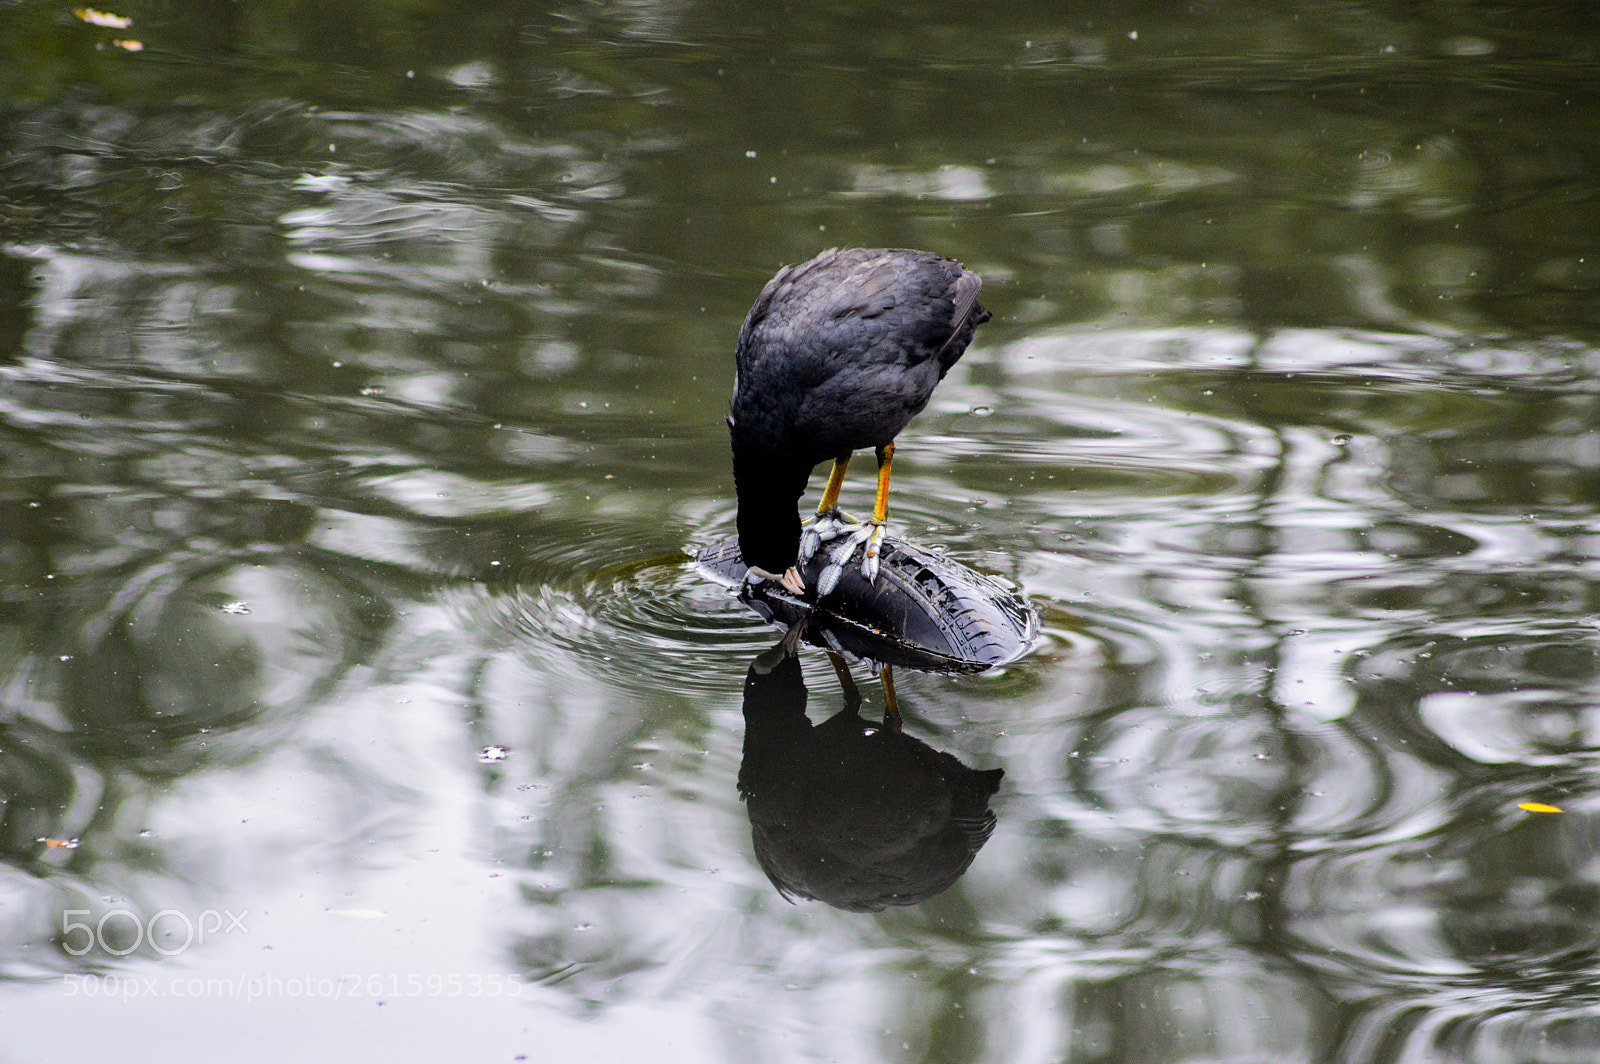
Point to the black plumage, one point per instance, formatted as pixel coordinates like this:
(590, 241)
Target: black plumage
(837, 354)
(852, 812)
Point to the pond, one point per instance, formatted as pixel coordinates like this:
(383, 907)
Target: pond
(362, 378)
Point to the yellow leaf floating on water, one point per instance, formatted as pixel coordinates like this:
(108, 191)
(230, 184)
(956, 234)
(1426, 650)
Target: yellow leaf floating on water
(1539, 807)
(59, 844)
(129, 46)
(103, 18)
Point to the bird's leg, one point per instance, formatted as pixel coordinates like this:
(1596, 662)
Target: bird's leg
(880, 509)
(852, 693)
(871, 533)
(830, 494)
(829, 523)
(891, 704)
(880, 514)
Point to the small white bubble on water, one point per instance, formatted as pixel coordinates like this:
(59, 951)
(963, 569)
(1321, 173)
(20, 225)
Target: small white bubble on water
(490, 754)
(237, 608)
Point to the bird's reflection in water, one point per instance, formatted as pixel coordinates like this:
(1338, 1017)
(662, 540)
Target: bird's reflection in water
(850, 812)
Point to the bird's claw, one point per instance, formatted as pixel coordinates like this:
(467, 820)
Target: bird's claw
(809, 543)
(825, 529)
(829, 580)
(871, 556)
(868, 533)
(842, 552)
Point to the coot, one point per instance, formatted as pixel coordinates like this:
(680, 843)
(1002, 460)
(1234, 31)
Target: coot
(837, 354)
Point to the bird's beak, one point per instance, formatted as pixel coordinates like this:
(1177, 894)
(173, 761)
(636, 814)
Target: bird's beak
(791, 580)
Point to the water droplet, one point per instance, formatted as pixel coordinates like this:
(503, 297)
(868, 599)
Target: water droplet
(981, 411)
(235, 608)
(1342, 439)
(490, 754)
(375, 389)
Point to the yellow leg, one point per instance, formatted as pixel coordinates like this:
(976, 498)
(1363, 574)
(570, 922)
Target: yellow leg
(891, 704)
(880, 509)
(830, 494)
(852, 693)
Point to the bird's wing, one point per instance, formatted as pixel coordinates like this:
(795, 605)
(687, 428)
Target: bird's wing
(783, 282)
(867, 292)
(966, 302)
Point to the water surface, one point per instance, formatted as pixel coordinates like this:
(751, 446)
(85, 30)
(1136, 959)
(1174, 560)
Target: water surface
(362, 370)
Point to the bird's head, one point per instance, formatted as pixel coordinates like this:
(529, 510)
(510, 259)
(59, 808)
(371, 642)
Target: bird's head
(769, 490)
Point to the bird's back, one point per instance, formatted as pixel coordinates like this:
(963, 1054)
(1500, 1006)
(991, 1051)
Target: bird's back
(842, 351)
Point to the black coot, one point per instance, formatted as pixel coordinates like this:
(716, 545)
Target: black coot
(837, 354)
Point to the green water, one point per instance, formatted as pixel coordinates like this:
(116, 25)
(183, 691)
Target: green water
(362, 372)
